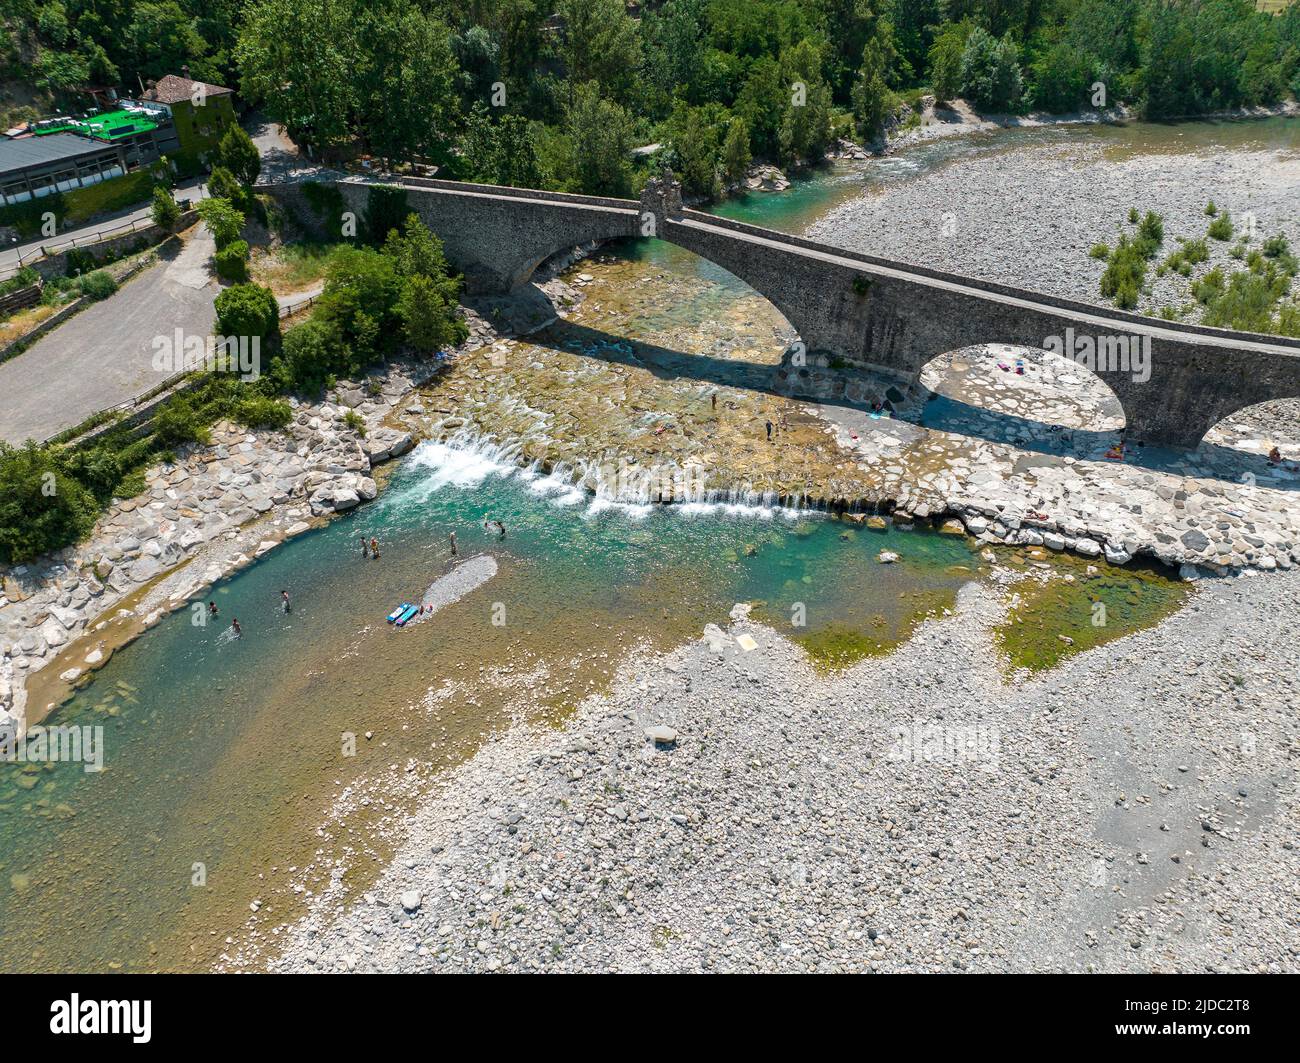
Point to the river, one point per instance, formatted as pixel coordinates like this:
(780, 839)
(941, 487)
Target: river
(224, 757)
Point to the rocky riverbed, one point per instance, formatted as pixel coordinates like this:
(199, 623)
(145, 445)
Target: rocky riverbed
(726, 809)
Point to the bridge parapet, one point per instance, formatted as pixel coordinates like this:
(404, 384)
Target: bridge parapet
(890, 317)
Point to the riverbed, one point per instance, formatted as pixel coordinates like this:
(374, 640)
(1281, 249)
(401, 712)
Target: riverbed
(245, 776)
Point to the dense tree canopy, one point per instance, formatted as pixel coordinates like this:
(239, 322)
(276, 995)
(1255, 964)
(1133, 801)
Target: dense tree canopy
(555, 92)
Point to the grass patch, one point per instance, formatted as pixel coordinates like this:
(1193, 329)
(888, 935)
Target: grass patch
(293, 268)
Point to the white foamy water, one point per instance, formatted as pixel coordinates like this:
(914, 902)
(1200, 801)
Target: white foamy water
(466, 460)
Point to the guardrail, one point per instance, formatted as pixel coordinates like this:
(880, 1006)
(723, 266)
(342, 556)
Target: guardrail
(84, 239)
(289, 309)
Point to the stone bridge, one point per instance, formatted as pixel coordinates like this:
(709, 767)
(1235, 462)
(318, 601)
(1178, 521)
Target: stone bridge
(873, 313)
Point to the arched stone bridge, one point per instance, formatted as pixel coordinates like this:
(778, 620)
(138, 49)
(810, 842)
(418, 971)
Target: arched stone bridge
(887, 316)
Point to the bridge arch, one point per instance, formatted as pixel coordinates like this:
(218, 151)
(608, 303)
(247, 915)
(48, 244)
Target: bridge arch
(888, 317)
(1032, 398)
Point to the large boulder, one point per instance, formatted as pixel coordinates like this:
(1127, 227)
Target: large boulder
(386, 443)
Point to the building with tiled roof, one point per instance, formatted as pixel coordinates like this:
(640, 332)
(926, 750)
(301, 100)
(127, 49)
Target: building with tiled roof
(201, 111)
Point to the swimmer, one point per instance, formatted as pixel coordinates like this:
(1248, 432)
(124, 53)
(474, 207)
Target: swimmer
(285, 603)
(212, 610)
(234, 626)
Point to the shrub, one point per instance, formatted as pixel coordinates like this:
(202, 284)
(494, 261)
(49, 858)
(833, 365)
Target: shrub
(1101, 251)
(248, 310)
(1275, 246)
(42, 508)
(24, 278)
(1221, 227)
(1151, 233)
(1210, 209)
(386, 210)
(356, 422)
(97, 285)
(179, 421)
(232, 261)
(261, 411)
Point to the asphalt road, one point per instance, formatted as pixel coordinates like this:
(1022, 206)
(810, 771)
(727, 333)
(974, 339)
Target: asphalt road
(15, 254)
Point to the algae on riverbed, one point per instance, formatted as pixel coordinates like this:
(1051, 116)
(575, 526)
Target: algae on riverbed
(1076, 606)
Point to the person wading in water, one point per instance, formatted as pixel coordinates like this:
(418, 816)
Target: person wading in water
(234, 626)
(374, 549)
(284, 602)
(452, 537)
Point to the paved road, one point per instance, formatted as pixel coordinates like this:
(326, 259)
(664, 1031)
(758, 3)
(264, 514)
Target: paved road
(14, 254)
(105, 354)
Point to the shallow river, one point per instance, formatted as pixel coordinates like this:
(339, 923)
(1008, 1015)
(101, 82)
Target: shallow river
(223, 756)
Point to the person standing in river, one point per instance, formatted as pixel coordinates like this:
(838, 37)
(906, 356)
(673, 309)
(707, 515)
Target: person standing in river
(374, 548)
(234, 626)
(285, 603)
(452, 537)
(365, 547)
(212, 610)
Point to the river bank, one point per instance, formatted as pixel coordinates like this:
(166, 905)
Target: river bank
(203, 517)
(727, 809)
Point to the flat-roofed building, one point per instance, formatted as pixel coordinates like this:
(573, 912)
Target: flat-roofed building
(31, 167)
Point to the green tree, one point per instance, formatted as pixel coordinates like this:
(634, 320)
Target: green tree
(430, 323)
(990, 71)
(223, 220)
(238, 154)
(600, 44)
(160, 39)
(311, 353)
(404, 79)
(416, 251)
(1062, 77)
(503, 152)
(735, 150)
(248, 310)
(762, 103)
(945, 60)
(806, 125)
(695, 143)
(41, 507)
(675, 49)
(362, 287)
(164, 210)
(599, 137)
(297, 57)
